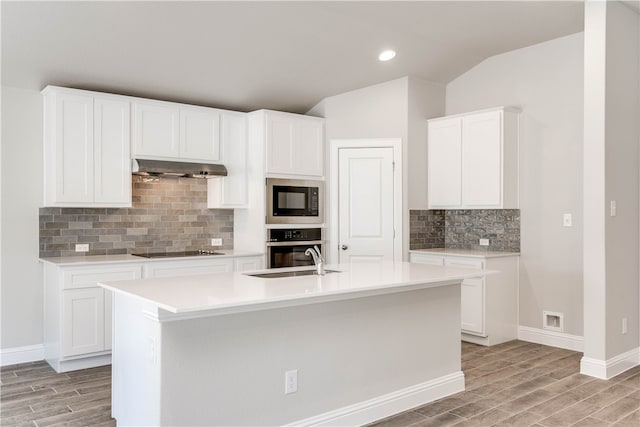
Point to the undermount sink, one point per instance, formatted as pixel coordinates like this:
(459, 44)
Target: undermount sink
(278, 274)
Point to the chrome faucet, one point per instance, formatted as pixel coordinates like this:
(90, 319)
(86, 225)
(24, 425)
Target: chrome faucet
(317, 259)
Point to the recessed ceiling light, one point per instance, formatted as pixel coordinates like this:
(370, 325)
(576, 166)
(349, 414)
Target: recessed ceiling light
(387, 55)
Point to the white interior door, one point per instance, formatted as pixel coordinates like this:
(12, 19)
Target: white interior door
(366, 203)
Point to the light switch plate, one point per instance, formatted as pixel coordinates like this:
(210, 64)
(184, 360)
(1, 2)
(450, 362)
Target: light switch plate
(567, 220)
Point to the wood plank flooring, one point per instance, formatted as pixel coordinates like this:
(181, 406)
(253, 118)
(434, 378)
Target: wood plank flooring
(511, 384)
(524, 384)
(32, 394)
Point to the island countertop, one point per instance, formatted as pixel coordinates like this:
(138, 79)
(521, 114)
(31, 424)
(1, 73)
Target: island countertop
(222, 293)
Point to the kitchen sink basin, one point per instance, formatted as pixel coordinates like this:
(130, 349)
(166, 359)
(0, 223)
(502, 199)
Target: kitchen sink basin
(278, 274)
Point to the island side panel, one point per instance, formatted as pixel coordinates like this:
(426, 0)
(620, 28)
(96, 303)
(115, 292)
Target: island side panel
(136, 361)
(230, 370)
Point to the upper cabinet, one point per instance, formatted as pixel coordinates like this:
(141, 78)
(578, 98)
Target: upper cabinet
(473, 160)
(86, 149)
(231, 191)
(165, 130)
(294, 144)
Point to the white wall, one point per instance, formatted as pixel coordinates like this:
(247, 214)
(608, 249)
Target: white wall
(546, 81)
(426, 101)
(622, 138)
(394, 109)
(21, 287)
(612, 113)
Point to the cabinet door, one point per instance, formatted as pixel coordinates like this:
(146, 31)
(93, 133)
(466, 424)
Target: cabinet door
(280, 141)
(472, 310)
(482, 160)
(199, 134)
(74, 148)
(308, 144)
(248, 263)
(155, 130)
(83, 321)
(234, 150)
(112, 152)
(444, 163)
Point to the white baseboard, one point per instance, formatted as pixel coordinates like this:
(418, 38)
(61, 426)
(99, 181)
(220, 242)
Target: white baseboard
(607, 369)
(15, 355)
(390, 404)
(551, 338)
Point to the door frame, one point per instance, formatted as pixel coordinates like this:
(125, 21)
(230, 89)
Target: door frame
(333, 201)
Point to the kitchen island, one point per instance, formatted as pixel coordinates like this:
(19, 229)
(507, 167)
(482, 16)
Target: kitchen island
(347, 348)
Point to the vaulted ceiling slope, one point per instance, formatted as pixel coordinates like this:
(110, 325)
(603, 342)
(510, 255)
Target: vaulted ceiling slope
(251, 55)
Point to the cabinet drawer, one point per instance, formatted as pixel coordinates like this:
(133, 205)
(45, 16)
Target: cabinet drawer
(90, 276)
(248, 264)
(187, 268)
(464, 262)
(426, 259)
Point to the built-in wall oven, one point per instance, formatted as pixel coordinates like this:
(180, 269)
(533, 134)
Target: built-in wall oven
(294, 201)
(286, 246)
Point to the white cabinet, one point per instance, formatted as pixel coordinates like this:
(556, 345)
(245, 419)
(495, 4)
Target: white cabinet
(187, 267)
(199, 133)
(231, 191)
(83, 321)
(489, 303)
(78, 313)
(164, 130)
(86, 149)
(248, 263)
(156, 129)
(294, 144)
(473, 160)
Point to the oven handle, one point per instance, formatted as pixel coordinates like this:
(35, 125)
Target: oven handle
(297, 243)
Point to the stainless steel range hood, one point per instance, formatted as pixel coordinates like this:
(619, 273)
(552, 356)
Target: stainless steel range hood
(170, 168)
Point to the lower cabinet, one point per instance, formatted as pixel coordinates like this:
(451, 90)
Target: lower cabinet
(77, 312)
(488, 304)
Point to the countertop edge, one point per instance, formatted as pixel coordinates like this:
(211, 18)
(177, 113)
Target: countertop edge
(468, 253)
(126, 259)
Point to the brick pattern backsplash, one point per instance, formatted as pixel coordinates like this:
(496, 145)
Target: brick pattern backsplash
(426, 229)
(463, 228)
(168, 214)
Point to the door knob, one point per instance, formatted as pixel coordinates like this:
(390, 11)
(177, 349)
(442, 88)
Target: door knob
(344, 247)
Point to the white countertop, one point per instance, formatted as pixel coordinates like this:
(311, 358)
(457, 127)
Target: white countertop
(472, 253)
(112, 259)
(235, 292)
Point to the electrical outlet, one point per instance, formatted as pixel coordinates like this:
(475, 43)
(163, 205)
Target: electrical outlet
(484, 242)
(614, 208)
(567, 220)
(82, 247)
(216, 242)
(291, 381)
(624, 325)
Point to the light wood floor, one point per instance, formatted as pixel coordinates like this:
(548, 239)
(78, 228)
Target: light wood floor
(512, 384)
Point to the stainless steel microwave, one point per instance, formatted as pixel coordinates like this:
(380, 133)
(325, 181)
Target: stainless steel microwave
(294, 201)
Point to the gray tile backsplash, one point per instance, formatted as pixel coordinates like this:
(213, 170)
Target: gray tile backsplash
(427, 229)
(463, 228)
(168, 214)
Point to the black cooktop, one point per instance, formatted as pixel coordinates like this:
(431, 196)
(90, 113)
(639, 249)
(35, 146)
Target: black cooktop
(178, 254)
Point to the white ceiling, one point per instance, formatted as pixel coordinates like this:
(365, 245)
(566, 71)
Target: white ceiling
(250, 55)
